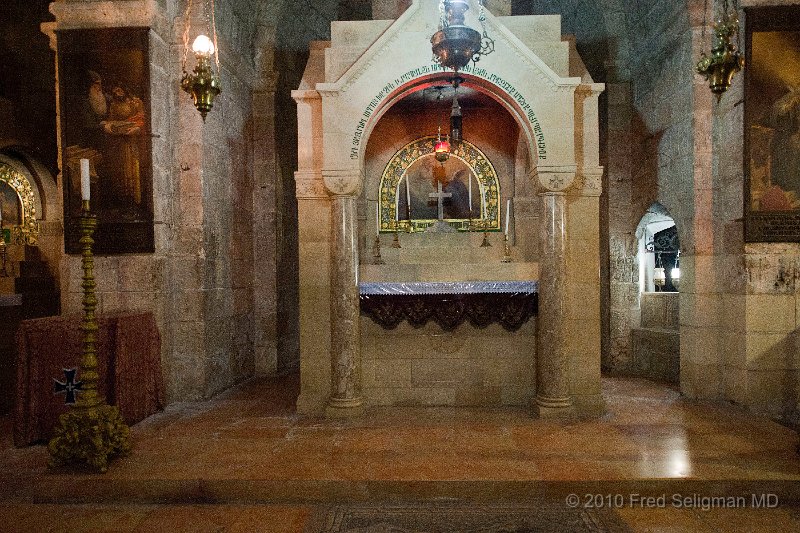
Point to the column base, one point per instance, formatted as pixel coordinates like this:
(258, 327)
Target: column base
(554, 407)
(344, 408)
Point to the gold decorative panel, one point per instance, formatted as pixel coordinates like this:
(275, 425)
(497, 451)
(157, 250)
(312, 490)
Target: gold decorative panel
(27, 231)
(413, 173)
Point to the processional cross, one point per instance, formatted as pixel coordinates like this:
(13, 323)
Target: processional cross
(440, 197)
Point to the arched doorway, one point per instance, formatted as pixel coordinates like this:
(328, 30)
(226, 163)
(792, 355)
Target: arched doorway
(655, 336)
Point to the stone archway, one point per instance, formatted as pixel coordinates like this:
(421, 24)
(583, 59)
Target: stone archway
(655, 324)
(339, 103)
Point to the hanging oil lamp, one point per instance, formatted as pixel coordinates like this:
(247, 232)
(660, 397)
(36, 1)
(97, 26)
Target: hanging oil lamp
(203, 83)
(725, 60)
(441, 149)
(455, 45)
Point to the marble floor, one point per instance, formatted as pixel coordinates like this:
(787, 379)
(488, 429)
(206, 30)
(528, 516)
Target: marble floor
(245, 462)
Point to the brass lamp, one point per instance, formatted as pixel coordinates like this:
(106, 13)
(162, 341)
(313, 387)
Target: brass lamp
(725, 60)
(203, 83)
(456, 44)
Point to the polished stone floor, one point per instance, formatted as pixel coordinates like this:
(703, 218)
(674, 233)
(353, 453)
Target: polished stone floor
(245, 462)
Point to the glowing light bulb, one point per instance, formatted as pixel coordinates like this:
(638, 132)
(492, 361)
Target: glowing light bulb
(675, 273)
(203, 46)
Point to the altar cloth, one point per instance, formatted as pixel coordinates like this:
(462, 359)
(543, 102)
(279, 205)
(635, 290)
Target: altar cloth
(400, 288)
(450, 303)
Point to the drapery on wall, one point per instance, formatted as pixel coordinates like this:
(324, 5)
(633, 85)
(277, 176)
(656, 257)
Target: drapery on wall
(129, 365)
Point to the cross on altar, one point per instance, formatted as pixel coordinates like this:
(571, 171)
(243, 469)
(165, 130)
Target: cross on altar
(440, 197)
(69, 386)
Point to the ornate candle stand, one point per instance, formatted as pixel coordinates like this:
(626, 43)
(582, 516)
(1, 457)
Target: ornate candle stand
(507, 250)
(92, 431)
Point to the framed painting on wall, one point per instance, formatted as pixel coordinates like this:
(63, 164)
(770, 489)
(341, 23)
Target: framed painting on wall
(104, 91)
(772, 125)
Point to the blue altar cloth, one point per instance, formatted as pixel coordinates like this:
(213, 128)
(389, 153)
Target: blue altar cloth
(388, 288)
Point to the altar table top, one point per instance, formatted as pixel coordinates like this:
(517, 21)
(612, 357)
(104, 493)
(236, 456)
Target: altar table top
(400, 288)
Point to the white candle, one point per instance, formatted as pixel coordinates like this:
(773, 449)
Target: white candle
(85, 187)
(469, 177)
(408, 198)
(378, 217)
(508, 214)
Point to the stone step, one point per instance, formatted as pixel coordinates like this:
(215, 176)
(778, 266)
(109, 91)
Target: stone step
(440, 248)
(661, 310)
(656, 354)
(72, 488)
(22, 252)
(33, 269)
(495, 271)
(33, 285)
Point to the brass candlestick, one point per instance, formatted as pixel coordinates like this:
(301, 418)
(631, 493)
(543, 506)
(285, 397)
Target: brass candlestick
(376, 251)
(485, 243)
(507, 250)
(396, 240)
(91, 432)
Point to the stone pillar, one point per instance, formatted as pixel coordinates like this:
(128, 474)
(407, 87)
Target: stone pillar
(552, 373)
(266, 206)
(345, 400)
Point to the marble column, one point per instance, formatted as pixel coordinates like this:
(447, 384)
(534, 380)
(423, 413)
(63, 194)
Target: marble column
(552, 372)
(345, 398)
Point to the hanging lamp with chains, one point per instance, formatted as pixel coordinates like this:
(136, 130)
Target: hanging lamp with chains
(203, 83)
(726, 58)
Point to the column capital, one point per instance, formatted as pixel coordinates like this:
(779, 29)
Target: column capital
(342, 182)
(589, 182)
(553, 178)
(309, 185)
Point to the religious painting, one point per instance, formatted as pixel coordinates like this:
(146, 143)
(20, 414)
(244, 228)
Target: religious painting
(462, 191)
(772, 125)
(424, 178)
(104, 87)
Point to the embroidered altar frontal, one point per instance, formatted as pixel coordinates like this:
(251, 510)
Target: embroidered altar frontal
(450, 304)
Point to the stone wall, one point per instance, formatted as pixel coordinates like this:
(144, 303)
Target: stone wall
(199, 280)
(27, 93)
(756, 284)
(467, 366)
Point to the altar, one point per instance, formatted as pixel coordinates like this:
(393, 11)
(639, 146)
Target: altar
(503, 228)
(448, 343)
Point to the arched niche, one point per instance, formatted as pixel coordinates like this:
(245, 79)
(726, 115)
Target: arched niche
(19, 203)
(467, 168)
(659, 248)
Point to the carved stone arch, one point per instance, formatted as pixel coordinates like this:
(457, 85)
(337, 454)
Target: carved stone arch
(511, 106)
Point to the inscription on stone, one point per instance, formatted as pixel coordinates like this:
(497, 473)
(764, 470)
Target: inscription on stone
(425, 70)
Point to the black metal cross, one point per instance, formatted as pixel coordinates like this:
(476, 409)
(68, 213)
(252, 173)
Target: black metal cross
(69, 387)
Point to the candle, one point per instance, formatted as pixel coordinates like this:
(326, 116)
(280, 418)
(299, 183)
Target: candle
(469, 177)
(508, 214)
(85, 187)
(408, 199)
(378, 217)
